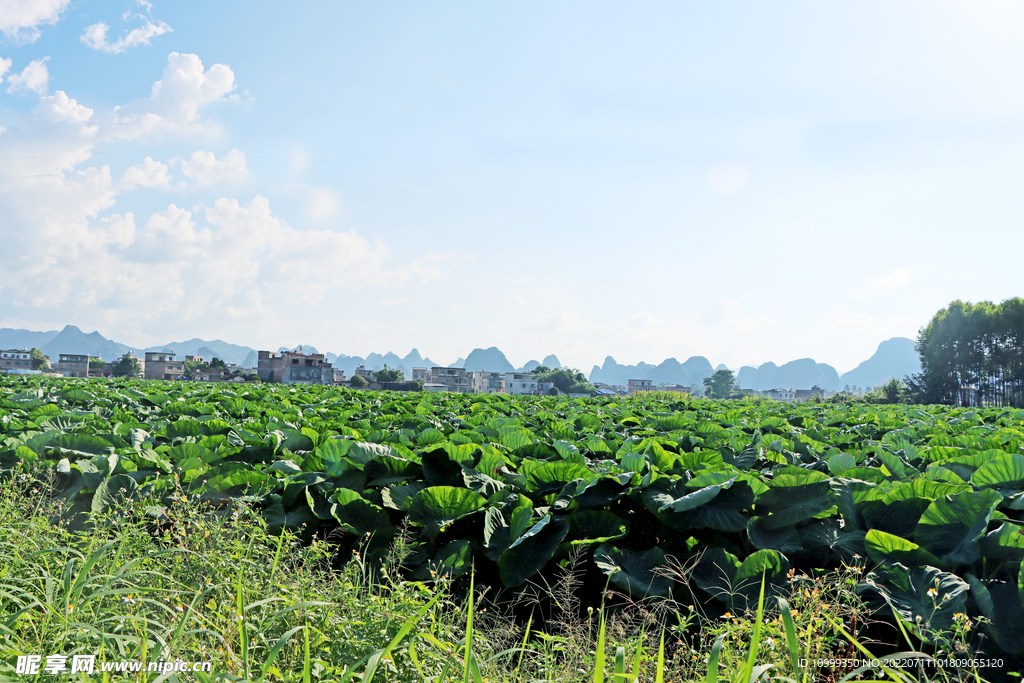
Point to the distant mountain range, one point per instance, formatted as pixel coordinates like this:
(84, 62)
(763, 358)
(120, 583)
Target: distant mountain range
(895, 357)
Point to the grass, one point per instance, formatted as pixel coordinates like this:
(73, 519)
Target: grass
(213, 585)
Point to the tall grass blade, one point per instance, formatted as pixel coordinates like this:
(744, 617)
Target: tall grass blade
(791, 639)
(620, 664)
(469, 628)
(746, 673)
(716, 652)
(599, 658)
(307, 668)
(659, 673)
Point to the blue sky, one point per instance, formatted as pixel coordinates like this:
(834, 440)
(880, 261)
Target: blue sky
(745, 181)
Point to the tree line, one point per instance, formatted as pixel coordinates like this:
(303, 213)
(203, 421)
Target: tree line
(972, 355)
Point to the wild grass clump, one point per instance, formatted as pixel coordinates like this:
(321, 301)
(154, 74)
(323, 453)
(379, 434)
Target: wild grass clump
(197, 583)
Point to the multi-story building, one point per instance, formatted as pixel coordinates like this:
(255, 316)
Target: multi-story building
(488, 383)
(339, 376)
(454, 379)
(635, 385)
(295, 367)
(193, 359)
(73, 364)
(163, 365)
(525, 383)
(421, 374)
(787, 395)
(678, 388)
(15, 360)
(365, 373)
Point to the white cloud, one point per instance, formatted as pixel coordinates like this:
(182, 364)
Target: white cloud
(727, 177)
(323, 204)
(516, 300)
(897, 278)
(206, 169)
(20, 19)
(394, 301)
(175, 100)
(59, 108)
(95, 36)
(147, 174)
(34, 77)
(5, 65)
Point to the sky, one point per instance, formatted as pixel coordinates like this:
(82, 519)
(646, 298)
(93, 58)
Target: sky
(746, 181)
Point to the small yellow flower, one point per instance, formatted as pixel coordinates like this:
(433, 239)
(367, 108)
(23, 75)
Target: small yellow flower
(932, 592)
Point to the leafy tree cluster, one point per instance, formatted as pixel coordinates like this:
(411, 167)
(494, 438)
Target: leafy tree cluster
(39, 359)
(722, 384)
(95, 362)
(389, 375)
(566, 380)
(973, 355)
(128, 366)
(216, 364)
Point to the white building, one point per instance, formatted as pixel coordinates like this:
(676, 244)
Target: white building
(488, 383)
(15, 360)
(787, 395)
(635, 385)
(454, 379)
(525, 383)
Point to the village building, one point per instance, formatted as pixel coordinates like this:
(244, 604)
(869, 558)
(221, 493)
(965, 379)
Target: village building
(635, 385)
(295, 367)
(163, 365)
(73, 365)
(453, 379)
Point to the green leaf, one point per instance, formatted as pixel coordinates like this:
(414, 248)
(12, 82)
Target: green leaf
(436, 507)
(638, 573)
(114, 492)
(883, 547)
(595, 526)
(907, 593)
(951, 526)
(553, 476)
(531, 551)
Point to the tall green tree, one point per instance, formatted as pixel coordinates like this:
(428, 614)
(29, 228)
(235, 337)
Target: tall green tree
(566, 380)
(720, 385)
(972, 354)
(128, 366)
(39, 359)
(388, 375)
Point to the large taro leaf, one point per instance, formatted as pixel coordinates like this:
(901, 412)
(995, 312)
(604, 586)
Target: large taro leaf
(923, 591)
(358, 516)
(1004, 473)
(746, 586)
(783, 539)
(638, 573)
(550, 477)
(297, 519)
(114, 492)
(531, 551)
(595, 526)
(504, 527)
(231, 479)
(882, 547)
(794, 496)
(951, 526)
(183, 427)
(452, 560)
(1001, 605)
(715, 572)
(332, 454)
(727, 509)
(590, 495)
(698, 497)
(387, 470)
(81, 444)
(830, 534)
(436, 507)
(400, 496)
(440, 469)
(481, 483)
(1005, 542)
